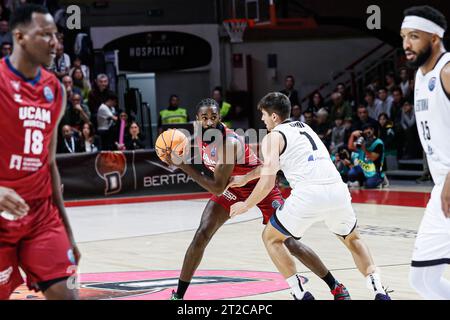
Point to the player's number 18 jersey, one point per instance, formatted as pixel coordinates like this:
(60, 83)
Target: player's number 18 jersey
(29, 111)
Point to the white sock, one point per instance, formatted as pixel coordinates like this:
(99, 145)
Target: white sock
(374, 283)
(295, 283)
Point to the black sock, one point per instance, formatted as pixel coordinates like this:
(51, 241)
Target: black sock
(330, 280)
(182, 287)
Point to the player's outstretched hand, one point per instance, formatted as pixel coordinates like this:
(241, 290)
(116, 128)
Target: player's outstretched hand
(237, 181)
(238, 208)
(12, 203)
(445, 197)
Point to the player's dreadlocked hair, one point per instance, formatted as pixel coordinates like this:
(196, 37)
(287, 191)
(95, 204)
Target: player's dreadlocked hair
(207, 103)
(428, 13)
(22, 15)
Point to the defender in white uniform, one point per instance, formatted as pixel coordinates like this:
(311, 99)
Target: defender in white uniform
(422, 32)
(318, 192)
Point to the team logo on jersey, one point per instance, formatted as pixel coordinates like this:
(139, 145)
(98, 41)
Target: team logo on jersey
(48, 94)
(15, 85)
(213, 152)
(432, 84)
(111, 167)
(158, 285)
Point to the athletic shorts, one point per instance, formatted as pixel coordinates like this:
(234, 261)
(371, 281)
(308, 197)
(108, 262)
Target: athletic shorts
(432, 246)
(328, 202)
(267, 206)
(38, 244)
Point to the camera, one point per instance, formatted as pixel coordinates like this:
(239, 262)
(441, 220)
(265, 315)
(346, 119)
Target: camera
(359, 142)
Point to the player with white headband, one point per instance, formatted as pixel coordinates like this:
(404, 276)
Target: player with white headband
(422, 31)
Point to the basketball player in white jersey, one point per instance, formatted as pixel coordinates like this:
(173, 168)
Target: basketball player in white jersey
(318, 192)
(422, 31)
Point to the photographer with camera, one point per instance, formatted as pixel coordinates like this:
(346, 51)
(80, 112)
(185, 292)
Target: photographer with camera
(367, 158)
(341, 160)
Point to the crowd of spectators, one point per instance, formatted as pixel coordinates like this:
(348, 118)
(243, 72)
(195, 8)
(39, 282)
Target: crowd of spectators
(361, 135)
(91, 121)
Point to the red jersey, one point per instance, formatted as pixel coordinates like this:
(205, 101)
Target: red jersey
(29, 112)
(210, 157)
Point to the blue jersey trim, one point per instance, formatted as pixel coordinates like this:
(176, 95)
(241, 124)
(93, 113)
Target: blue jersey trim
(20, 74)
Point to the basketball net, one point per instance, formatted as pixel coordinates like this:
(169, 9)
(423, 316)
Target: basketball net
(235, 29)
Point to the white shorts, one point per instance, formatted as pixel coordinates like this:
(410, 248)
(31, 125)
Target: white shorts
(329, 202)
(432, 245)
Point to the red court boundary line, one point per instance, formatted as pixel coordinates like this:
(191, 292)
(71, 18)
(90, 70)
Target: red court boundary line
(378, 197)
(170, 197)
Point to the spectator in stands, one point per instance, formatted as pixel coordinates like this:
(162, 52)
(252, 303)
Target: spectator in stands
(385, 102)
(374, 85)
(89, 142)
(6, 49)
(290, 91)
(4, 12)
(98, 95)
(363, 118)
(134, 141)
(346, 95)
(81, 83)
(68, 85)
(5, 34)
(337, 135)
(372, 104)
(408, 133)
(390, 82)
(339, 107)
(61, 63)
(367, 158)
(323, 128)
(69, 142)
(173, 113)
(225, 107)
(60, 37)
(310, 119)
(106, 118)
(404, 81)
(77, 63)
(296, 113)
(348, 125)
(315, 102)
(387, 134)
(76, 112)
(397, 104)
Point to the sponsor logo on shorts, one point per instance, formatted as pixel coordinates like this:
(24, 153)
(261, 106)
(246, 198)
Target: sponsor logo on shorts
(5, 275)
(158, 285)
(229, 196)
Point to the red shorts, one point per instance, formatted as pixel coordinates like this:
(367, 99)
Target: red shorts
(267, 206)
(38, 244)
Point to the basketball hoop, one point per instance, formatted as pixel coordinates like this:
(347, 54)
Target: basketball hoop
(235, 29)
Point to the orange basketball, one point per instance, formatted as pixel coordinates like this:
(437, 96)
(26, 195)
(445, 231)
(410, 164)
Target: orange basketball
(170, 140)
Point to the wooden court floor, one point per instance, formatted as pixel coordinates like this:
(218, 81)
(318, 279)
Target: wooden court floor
(135, 251)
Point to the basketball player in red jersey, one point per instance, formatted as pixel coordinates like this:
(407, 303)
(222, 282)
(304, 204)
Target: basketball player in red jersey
(35, 234)
(225, 154)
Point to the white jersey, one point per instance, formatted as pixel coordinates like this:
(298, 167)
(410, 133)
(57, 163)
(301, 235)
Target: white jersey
(432, 108)
(305, 160)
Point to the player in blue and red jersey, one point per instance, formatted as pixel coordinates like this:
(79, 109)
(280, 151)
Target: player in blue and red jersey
(226, 154)
(35, 233)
